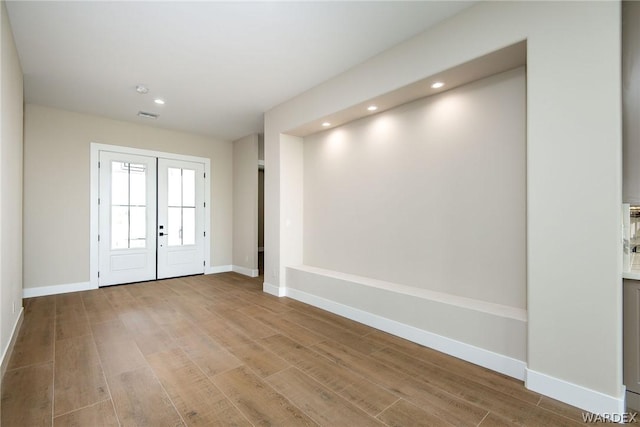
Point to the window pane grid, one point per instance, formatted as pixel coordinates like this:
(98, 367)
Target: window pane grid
(128, 205)
(181, 201)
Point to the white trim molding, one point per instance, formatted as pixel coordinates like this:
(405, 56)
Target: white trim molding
(251, 272)
(218, 269)
(631, 275)
(274, 290)
(488, 359)
(58, 289)
(8, 350)
(575, 395)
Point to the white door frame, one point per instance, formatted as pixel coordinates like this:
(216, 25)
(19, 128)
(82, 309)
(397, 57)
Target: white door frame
(94, 208)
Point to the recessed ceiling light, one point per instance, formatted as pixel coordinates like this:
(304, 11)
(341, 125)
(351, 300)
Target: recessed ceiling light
(437, 85)
(372, 108)
(142, 89)
(159, 101)
(326, 124)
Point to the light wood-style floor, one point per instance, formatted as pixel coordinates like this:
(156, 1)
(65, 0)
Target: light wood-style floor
(215, 350)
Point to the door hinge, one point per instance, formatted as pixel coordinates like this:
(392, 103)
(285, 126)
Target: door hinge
(98, 165)
(98, 200)
(98, 274)
(98, 237)
(204, 233)
(204, 204)
(205, 175)
(204, 263)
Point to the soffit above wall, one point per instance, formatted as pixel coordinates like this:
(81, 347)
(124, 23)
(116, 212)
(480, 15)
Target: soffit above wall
(505, 59)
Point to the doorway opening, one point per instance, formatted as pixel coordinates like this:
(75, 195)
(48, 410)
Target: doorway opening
(261, 220)
(151, 215)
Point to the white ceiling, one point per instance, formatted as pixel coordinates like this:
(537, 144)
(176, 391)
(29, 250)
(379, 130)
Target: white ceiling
(218, 65)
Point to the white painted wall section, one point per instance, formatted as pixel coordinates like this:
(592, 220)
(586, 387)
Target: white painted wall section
(11, 191)
(574, 296)
(57, 188)
(245, 205)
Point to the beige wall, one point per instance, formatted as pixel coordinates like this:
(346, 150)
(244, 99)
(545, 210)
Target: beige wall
(245, 202)
(631, 100)
(431, 194)
(574, 294)
(11, 115)
(291, 192)
(56, 185)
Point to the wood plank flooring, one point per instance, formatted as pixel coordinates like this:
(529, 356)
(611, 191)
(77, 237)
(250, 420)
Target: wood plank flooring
(215, 350)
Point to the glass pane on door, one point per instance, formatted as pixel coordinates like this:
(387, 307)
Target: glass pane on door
(137, 226)
(119, 227)
(137, 185)
(188, 188)
(119, 183)
(181, 198)
(128, 205)
(188, 226)
(174, 226)
(174, 187)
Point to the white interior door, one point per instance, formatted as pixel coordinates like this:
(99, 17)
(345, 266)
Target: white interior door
(180, 218)
(127, 218)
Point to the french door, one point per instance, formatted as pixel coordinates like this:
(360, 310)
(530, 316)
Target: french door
(180, 218)
(151, 218)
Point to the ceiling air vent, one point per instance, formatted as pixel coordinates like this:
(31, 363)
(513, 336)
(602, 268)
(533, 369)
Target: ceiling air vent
(147, 115)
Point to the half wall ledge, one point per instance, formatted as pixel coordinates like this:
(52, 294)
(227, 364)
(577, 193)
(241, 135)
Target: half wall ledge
(487, 334)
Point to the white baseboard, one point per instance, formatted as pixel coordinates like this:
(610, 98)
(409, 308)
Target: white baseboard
(488, 359)
(57, 289)
(6, 353)
(246, 271)
(86, 286)
(575, 395)
(218, 269)
(274, 290)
